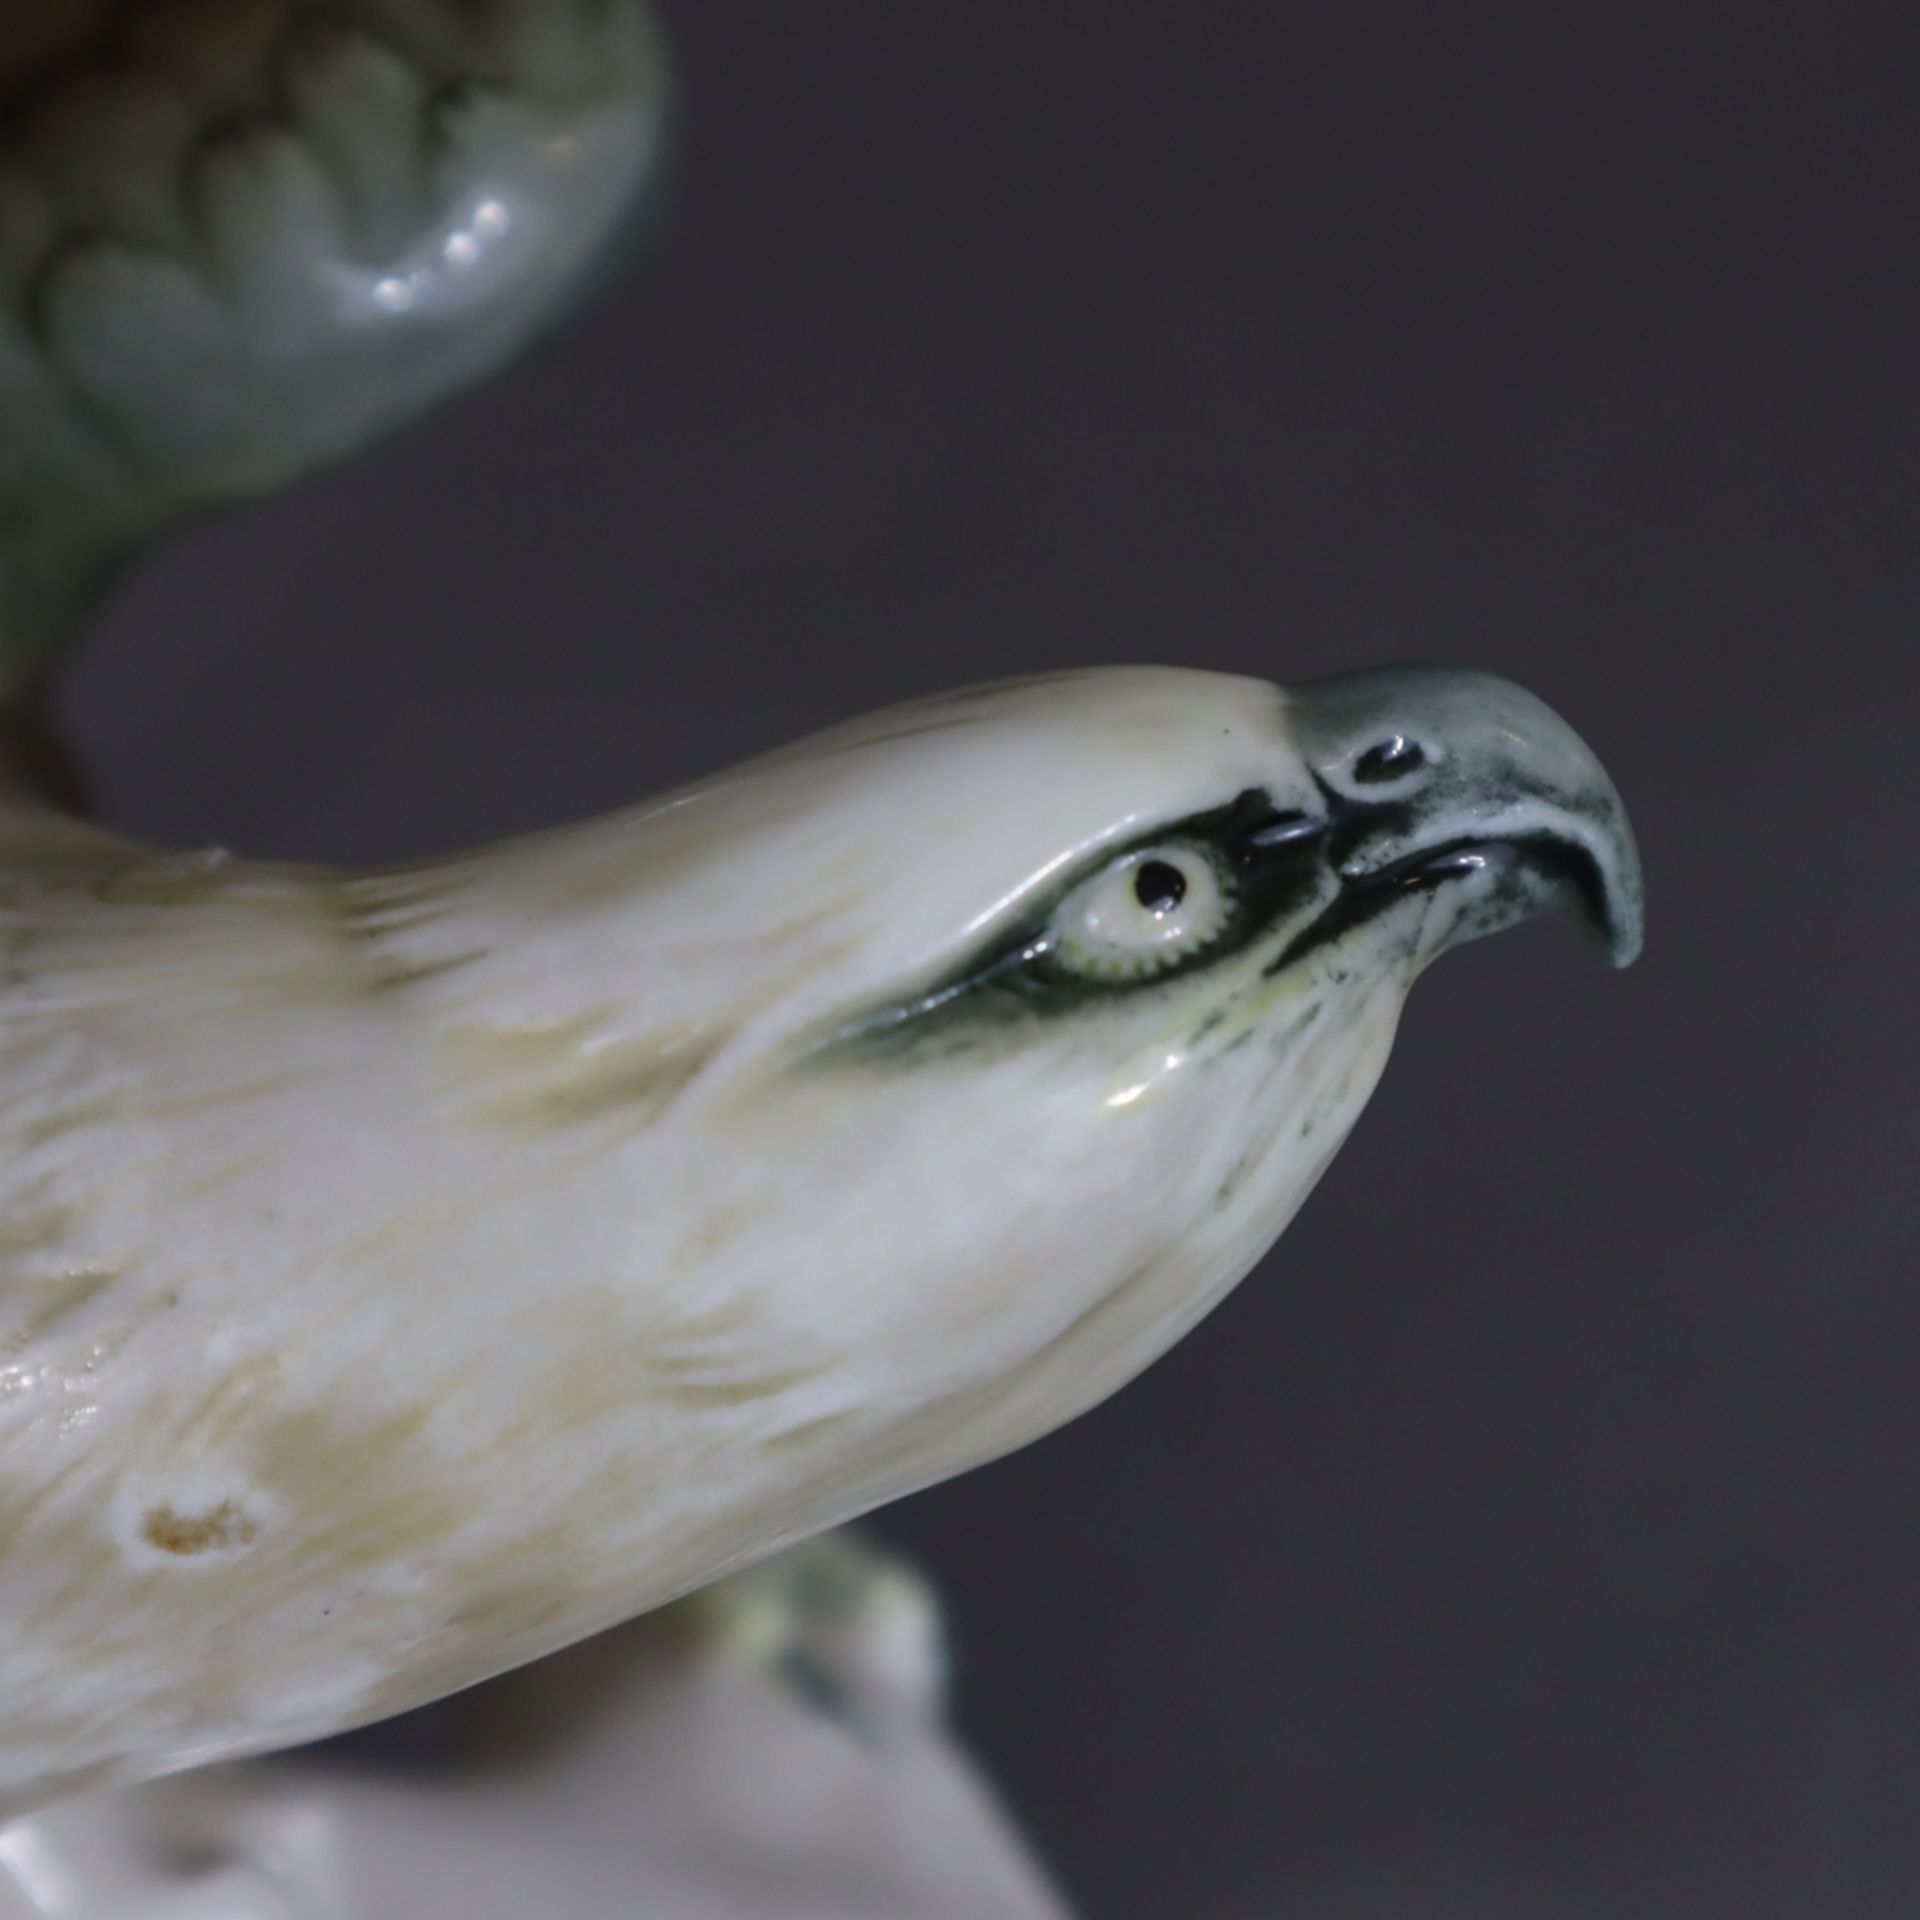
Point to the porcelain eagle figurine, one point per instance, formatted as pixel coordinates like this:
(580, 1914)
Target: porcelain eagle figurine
(404, 1274)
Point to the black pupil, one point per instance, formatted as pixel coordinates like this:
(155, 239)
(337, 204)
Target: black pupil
(1159, 886)
(1393, 757)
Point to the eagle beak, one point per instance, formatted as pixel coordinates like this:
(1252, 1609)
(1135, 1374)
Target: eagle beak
(1434, 777)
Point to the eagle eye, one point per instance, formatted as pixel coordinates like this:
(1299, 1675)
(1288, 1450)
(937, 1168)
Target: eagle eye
(1159, 886)
(1144, 913)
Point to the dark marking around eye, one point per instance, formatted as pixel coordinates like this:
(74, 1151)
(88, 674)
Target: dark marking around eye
(1270, 864)
(1292, 829)
(1159, 886)
(1389, 759)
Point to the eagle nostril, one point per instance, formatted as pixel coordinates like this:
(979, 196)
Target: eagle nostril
(1389, 759)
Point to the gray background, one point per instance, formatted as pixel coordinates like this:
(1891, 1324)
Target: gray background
(1535, 1533)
